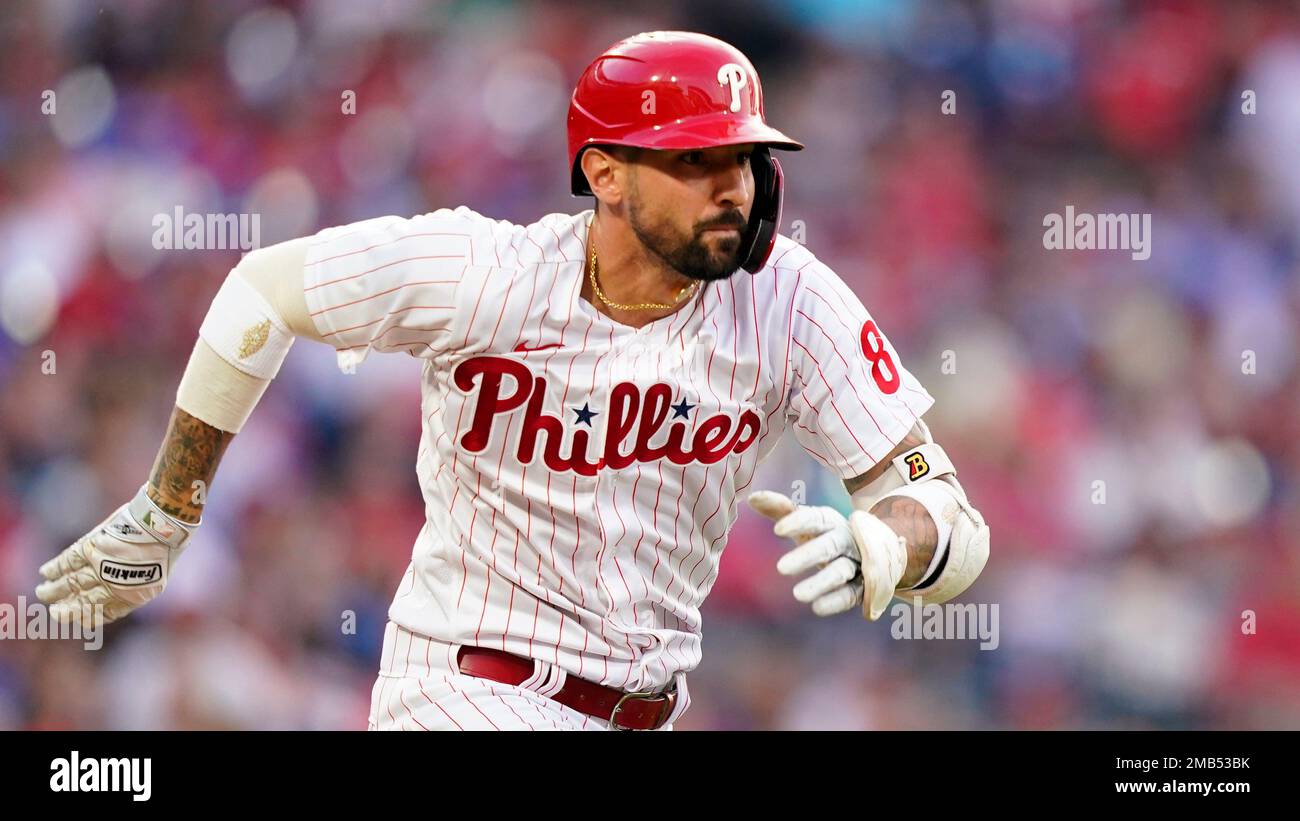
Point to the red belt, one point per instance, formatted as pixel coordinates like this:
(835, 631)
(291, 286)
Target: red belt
(624, 711)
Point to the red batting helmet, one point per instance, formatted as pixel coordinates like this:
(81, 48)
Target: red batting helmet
(678, 90)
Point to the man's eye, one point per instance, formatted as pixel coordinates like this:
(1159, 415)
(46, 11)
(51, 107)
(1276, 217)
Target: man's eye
(744, 158)
(692, 157)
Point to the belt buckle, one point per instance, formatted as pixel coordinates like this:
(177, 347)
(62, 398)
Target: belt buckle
(613, 716)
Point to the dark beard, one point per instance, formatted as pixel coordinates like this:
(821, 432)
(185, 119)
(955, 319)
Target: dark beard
(690, 259)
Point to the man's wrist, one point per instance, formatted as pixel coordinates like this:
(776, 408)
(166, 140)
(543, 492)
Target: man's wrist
(910, 519)
(184, 511)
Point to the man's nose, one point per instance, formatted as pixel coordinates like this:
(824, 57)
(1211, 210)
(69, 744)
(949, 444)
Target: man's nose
(733, 186)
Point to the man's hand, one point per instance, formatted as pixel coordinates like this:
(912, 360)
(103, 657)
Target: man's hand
(120, 565)
(861, 559)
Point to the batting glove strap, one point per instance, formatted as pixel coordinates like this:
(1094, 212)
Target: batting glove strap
(151, 519)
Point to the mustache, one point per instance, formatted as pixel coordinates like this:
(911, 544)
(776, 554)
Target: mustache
(733, 220)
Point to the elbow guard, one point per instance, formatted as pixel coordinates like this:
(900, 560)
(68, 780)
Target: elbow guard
(926, 474)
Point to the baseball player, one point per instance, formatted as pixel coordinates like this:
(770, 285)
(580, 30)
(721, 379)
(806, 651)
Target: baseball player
(598, 390)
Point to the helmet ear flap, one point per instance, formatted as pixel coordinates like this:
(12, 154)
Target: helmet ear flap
(578, 184)
(765, 215)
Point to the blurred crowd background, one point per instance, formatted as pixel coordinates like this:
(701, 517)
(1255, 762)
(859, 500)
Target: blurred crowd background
(1129, 428)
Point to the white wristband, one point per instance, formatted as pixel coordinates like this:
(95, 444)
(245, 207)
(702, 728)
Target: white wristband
(217, 392)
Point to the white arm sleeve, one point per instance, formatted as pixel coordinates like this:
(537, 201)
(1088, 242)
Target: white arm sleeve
(264, 292)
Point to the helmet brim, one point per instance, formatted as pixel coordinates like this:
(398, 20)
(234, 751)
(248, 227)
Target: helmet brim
(710, 131)
(713, 131)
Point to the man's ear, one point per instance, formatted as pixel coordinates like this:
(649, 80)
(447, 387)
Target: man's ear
(606, 170)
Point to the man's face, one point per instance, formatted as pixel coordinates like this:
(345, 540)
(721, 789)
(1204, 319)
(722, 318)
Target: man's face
(690, 208)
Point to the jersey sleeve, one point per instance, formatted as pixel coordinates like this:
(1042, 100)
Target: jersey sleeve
(851, 400)
(392, 283)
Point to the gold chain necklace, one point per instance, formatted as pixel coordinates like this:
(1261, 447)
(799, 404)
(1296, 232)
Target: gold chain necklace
(640, 305)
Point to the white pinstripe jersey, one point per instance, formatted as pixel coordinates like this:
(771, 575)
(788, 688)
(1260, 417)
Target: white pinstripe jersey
(579, 475)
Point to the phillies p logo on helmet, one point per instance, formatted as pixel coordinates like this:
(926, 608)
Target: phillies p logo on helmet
(733, 76)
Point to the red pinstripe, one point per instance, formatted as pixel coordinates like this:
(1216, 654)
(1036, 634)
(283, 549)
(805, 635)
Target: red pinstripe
(752, 456)
(814, 433)
(448, 715)
(382, 244)
(674, 570)
(735, 356)
(704, 482)
(495, 532)
(654, 571)
(817, 363)
(637, 547)
(776, 263)
(822, 435)
(419, 682)
(617, 566)
(785, 371)
(603, 538)
(564, 404)
(523, 479)
(469, 537)
(510, 606)
(392, 313)
(502, 699)
(471, 703)
(559, 639)
(707, 548)
(600, 524)
(848, 372)
(382, 690)
(563, 332)
(456, 458)
(383, 293)
(382, 267)
(402, 699)
(374, 341)
(487, 588)
(558, 245)
(678, 503)
(535, 245)
(474, 314)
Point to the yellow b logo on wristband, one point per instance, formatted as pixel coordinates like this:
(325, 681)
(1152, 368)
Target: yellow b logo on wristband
(916, 461)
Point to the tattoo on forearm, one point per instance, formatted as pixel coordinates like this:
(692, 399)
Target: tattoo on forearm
(909, 519)
(191, 452)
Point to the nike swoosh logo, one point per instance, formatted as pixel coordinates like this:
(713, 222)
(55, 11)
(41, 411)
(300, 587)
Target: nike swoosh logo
(522, 348)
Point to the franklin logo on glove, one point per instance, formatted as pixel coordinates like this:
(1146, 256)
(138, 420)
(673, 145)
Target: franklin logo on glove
(130, 574)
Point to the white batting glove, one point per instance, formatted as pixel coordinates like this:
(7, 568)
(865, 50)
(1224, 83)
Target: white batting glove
(120, 565)
(861, 559)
